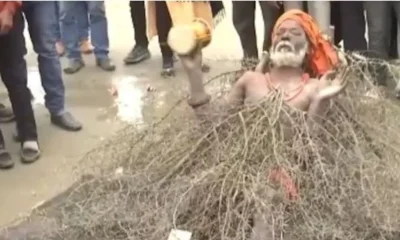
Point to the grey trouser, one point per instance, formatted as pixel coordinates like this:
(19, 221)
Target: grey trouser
(320, 10)
(379, 20)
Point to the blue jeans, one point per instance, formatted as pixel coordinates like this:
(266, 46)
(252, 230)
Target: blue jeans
(82, 21)
(69, 10)
(42, 24)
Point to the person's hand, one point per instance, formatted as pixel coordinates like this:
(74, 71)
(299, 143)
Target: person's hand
(6, 21)
(329, 88)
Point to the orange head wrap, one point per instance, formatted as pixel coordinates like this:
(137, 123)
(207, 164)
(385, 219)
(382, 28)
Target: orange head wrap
(322, 56)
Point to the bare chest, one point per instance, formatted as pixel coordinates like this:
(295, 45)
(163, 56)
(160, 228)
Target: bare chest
(295, 95)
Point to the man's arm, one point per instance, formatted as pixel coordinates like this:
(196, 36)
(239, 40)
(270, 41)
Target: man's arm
(237, 95)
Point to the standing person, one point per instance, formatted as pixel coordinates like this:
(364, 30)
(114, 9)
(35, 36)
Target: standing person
(41, 17)
(243, 20)
(379, 19)
(14, 74)
(69, 11)
(352, 24)
(140, 52)
(320, 10)
(83, 25)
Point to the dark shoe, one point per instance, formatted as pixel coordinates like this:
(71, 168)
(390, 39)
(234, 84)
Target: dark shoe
(66, 121)
(30, 152)
(138, 54)
(74, 65)
(6, 161)
(105, 64)
(6, 114)
(168, 67)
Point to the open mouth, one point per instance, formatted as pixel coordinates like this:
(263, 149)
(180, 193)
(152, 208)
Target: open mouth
(284, 47)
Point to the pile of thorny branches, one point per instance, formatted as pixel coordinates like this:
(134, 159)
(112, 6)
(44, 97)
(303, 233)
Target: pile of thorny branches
(213, 179)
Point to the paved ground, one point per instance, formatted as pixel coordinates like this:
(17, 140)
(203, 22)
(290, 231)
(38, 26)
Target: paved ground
(88, 99)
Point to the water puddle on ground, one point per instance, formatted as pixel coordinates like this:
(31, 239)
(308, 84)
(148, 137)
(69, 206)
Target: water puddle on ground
(128, 99)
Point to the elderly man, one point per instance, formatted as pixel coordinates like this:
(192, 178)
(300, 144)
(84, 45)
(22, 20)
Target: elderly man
(299, 54)
(42, 22)
(296, 62)
(14, 75)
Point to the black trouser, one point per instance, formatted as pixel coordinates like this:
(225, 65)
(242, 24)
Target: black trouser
(336, 22)
(393, 48)
(380, 28)
(352, 25)
(14, 75)
(163, 22)
(243, 20)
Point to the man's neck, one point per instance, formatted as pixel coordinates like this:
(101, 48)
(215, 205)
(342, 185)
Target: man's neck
(286, 74)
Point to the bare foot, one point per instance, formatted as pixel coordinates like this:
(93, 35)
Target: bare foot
(60, 48)
(86, 46)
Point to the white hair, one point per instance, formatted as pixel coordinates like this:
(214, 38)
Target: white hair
(284, 58)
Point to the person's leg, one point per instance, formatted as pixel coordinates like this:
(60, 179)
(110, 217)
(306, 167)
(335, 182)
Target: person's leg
(270, 15)
(336, 22)
(321, 11)
(353, 25)
(393, 48)
(398, 39)
(41, 16)
(83, 25)
(140, 51)
(69, 12)
(289, 5)
(99, 34)
(379, 27)
(243, 19)
(14, 75)
(164, 24)
(59, 44)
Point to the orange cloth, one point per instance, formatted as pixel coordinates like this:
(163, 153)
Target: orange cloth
(322, 56)
(181, 12)
(11, 6)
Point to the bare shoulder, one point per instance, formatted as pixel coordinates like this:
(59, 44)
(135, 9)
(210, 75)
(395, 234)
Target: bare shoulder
(251, 77)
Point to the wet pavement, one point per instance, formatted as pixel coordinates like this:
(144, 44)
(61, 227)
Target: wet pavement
(89, 100)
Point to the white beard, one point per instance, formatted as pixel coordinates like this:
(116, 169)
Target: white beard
(288, 58)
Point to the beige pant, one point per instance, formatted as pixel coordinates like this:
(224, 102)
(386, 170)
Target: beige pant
(320, 10)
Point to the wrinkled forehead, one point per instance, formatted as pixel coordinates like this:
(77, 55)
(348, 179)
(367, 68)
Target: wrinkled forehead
(289, 25)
